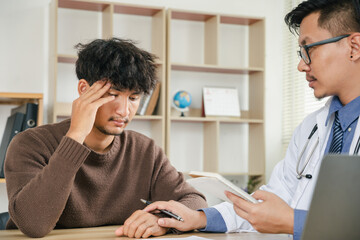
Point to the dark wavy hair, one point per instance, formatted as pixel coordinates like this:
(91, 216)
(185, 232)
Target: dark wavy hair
(118, 61)
(337, 16)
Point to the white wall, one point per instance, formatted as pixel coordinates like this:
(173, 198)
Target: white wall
(24, 26)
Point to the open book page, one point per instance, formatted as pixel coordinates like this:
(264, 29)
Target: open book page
(214, 184)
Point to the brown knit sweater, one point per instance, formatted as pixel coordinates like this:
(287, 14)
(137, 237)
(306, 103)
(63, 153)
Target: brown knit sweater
(55, 182)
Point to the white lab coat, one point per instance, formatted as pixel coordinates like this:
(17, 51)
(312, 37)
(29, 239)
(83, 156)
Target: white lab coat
(283, 181)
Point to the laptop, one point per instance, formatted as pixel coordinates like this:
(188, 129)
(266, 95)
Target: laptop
(335, 207)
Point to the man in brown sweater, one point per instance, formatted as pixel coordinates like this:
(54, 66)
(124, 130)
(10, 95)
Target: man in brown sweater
(87, 171)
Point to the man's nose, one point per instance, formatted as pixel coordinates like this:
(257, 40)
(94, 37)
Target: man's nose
(302, 66)
(122, 106)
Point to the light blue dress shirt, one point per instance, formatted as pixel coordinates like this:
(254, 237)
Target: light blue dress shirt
(348, 116)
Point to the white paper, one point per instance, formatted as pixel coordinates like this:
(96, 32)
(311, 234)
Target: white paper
(215, 184)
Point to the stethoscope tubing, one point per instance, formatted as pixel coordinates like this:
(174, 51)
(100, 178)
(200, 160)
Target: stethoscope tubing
(300, 173)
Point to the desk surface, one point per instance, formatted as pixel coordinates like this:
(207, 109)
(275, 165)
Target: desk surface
(108, 233)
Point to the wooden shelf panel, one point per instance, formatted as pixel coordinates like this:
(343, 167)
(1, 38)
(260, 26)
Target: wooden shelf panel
(11, 95)
(20, 98)
(191, 16)
(214, 68)
(234, 173)
(136, 10)
(67, 58)
(148, 117)
(63, 109)
(195, 115)
(216, 119)
(83, 5)
(238, 20)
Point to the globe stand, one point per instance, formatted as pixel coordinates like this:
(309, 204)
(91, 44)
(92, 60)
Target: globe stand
(181, 110)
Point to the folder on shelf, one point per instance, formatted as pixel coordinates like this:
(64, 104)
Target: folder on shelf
(153, 100)
(30, 110)
(148, 102)
(13, 126)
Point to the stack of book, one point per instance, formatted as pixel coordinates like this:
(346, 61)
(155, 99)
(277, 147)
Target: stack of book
(21, 118)
(148, 102)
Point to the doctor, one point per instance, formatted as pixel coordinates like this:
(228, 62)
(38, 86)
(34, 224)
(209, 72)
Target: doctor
(329, 47)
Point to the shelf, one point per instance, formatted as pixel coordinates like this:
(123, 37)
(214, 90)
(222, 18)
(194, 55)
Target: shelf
(2, 180)
(194, 115)
(21, 98)
(148, 117)
(214, 68)
(83, 5)
(14, 98)
(216, 119)
(69, 58)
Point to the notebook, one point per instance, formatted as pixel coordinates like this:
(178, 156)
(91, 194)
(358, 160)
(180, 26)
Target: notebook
(335, 207)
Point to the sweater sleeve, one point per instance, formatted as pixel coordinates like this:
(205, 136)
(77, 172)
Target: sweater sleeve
(39, 180)
(169, 184)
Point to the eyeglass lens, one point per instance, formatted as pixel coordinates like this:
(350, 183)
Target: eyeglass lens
(304, 55)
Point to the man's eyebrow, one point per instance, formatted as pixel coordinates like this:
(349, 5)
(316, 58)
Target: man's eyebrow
(136, 92)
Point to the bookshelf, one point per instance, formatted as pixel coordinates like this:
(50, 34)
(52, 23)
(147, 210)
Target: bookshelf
(82, 21)
(194, 49)
(206, 49)
(9, 98)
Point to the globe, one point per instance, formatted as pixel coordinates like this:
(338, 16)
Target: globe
(182, 101)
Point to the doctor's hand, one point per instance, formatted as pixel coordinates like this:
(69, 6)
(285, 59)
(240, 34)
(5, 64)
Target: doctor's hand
(85, 107)
(141, 224)
(272, 215)
(192, 219)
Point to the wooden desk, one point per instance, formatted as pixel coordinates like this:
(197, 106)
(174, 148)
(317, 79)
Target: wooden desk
(108, 233)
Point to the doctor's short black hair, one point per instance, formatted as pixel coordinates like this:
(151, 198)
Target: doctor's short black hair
(118, 61)
(337, 16)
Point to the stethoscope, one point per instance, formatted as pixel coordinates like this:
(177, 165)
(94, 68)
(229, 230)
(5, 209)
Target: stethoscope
(309, 176)
(300, 173)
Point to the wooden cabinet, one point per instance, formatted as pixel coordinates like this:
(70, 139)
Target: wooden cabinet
(82, 21)
(8, 98)
(223, 51)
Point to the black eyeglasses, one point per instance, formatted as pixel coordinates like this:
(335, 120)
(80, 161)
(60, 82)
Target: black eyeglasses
(304, 50)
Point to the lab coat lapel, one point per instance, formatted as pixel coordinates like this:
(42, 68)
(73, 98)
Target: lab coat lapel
(300, 199)
(355, 138)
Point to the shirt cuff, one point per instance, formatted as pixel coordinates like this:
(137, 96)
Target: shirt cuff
(214, 221)
(299, 222)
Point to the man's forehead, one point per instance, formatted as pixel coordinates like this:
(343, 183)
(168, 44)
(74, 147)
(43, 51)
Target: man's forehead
(310, 31)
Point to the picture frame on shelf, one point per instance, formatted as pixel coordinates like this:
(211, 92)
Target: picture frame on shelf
(221, 101)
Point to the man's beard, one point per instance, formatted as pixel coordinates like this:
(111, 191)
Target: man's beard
(106, 132)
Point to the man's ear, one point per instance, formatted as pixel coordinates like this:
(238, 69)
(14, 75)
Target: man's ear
(82, 86)
(354, 40)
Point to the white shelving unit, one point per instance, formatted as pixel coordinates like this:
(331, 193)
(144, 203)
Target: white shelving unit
(216, 50)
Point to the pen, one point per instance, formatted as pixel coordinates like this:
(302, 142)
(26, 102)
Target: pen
(165, 211)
